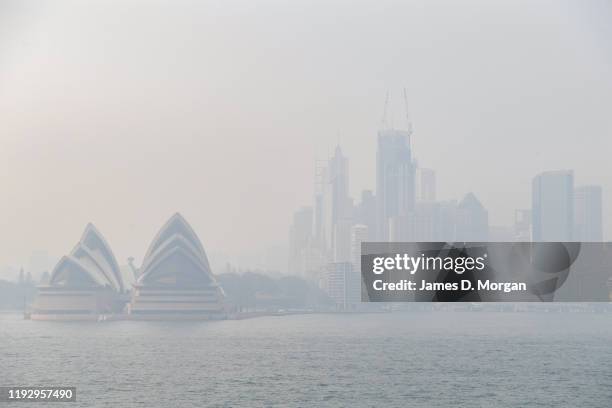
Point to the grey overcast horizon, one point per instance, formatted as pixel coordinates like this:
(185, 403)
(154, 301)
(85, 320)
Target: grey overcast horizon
(121, 114)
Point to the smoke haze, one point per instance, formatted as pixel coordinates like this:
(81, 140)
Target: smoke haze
(121, 114)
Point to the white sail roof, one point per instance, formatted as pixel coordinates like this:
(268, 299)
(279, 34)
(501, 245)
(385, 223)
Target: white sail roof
(91, 261)
(176, 249)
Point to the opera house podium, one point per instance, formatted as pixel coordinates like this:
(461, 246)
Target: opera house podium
(175, 281)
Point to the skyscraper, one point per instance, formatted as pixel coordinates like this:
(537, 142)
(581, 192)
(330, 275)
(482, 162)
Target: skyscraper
(553, 206)
(395, 181)
(435, 221)
(319, 233)
(300, 237)
(522, 225)
(588, 214)
(365, 213)
(426, 185)
(337, 205)
(359, 234)
(336, 277)
(472, 220)
(342, 240)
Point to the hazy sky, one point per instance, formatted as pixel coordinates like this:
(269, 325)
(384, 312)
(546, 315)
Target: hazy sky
(123, 112)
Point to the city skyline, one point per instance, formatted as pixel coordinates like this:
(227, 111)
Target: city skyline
(325, 238)
(403, 208)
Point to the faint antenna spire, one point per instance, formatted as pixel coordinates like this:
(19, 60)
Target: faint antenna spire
(408, 122)
(383, 123)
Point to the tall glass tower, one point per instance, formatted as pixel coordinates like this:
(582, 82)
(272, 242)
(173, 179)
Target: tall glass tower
(395, 182)
(553, 206)
(588, 214)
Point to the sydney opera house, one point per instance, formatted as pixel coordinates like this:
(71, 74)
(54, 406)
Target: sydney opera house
(175, 279)
(174, 282)
(85, 284)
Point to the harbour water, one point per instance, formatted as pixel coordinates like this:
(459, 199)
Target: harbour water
(419, 359)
